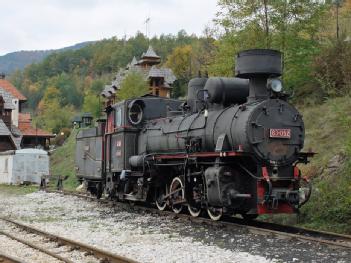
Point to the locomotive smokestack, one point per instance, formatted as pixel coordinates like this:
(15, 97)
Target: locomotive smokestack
(258, 65)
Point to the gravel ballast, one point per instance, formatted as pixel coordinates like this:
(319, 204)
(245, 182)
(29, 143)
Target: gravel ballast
(151, 238)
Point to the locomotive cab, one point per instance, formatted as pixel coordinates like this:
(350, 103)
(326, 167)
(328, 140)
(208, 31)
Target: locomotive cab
(125, 122)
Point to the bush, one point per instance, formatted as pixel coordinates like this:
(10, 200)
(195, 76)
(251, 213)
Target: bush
(332, 70)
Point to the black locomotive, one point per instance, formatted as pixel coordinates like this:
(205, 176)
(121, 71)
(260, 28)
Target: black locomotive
(231, 148)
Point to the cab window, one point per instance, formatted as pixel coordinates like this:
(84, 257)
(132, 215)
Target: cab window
(118, 117)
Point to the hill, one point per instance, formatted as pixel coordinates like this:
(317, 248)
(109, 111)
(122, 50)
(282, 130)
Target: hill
(70, 81)
(327, 133)
(20, 59)
(62, 162)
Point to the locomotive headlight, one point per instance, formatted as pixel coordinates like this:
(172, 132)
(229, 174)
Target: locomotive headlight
(275, 85)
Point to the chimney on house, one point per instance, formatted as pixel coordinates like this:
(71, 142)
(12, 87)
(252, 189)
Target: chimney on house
(2, 104)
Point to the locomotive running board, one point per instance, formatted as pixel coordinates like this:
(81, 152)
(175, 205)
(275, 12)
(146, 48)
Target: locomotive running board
(199, 155)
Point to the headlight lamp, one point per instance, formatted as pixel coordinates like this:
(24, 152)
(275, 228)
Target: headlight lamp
(275, 85)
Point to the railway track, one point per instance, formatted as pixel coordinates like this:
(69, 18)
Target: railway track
(255, 226)
(9, 259)
(68, 249)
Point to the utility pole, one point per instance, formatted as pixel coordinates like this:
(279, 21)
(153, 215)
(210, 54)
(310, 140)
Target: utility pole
(337, 4)
(266, 23)
(147, 26)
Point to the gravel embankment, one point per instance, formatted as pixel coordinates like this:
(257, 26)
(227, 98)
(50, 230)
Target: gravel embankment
(20, 251)
(42, 242)
(149, 238)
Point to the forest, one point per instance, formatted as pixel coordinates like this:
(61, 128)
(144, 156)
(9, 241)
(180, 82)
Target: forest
(316, 56)
(314, 36)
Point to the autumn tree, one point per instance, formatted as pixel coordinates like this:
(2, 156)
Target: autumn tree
(51, 95)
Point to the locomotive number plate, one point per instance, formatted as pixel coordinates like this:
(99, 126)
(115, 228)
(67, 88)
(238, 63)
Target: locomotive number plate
(280, 133)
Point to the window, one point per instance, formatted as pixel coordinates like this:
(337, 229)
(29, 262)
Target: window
(118, 117)
(6, 165)
(135, 113)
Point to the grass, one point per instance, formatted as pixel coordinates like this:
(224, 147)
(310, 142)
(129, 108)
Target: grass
(328, 132)
(62, 162)
(18, 190)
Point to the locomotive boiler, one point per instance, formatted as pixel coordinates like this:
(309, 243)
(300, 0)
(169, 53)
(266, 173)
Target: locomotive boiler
(231, 148)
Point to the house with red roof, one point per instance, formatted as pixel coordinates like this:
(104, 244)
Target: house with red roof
(16, 129)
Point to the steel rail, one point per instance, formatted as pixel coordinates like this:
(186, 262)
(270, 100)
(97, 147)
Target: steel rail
(105, 256)
(41, 249)
(254, 226)
(4, 258)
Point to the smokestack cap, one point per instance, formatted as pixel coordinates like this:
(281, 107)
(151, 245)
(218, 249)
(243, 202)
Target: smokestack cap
(253, 62)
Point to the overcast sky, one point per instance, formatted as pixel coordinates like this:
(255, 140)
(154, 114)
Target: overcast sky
(51, 24)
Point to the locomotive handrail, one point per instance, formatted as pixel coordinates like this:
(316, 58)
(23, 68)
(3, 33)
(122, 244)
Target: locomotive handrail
(231, 125)
(185, 130)
(215, 122)
(191, 124)
(249, 173)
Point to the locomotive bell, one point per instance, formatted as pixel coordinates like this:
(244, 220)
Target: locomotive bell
(258, 65)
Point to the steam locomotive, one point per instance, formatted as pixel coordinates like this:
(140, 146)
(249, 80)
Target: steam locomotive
(231, 148)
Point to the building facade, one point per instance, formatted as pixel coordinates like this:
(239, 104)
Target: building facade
(16, 130)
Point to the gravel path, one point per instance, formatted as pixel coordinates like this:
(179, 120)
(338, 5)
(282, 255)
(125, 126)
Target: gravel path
(149, 238)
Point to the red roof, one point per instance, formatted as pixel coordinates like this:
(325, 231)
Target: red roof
(24, 117)
(25, 126)
(6, 85)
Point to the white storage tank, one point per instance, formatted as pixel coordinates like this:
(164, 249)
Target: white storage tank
(26, 165)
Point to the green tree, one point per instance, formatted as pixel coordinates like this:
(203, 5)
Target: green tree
(290, 26)
(92, 104)
(182, 61)
(54, 117)
(134, 85)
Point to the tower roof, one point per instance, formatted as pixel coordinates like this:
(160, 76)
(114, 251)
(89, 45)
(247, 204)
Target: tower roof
(150, 53)
(134, 61)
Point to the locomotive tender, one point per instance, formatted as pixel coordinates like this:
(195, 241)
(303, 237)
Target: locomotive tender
(231, 148)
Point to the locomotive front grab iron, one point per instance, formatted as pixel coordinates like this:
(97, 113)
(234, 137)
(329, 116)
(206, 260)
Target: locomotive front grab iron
(231, 148)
